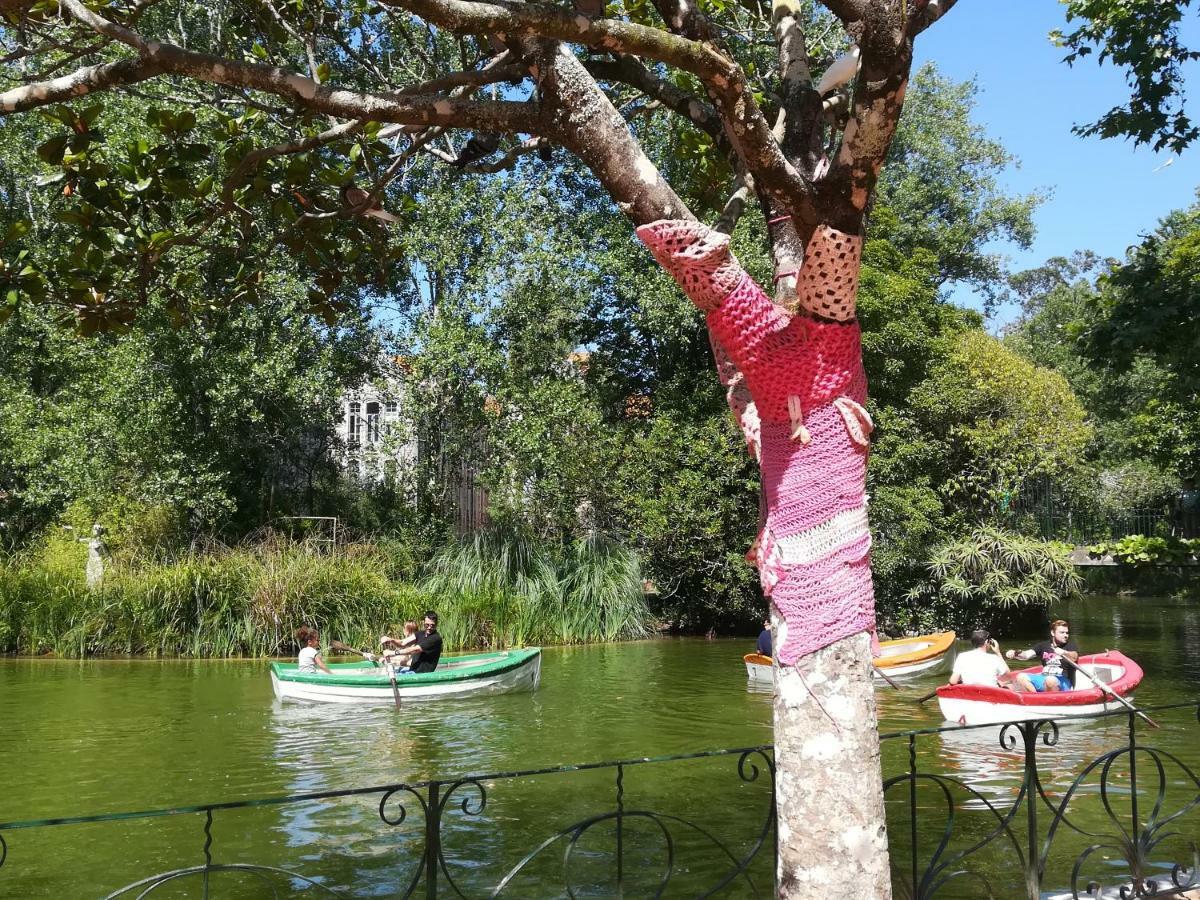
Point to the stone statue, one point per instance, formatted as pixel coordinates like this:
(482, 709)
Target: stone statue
(97, 554)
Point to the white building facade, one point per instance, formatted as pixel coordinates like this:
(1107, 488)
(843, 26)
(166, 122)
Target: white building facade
(377, 438)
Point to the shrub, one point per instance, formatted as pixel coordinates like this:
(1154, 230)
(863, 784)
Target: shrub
(988, 574)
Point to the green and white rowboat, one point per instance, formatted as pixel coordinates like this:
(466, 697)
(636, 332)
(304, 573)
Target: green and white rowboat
(457, 676)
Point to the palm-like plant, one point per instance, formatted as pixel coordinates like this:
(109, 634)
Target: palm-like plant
(991, 570)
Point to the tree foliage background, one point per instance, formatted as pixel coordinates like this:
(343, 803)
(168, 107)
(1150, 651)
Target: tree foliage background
(230, 305)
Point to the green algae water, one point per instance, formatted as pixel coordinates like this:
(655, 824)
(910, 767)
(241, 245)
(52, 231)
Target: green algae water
(108, 736)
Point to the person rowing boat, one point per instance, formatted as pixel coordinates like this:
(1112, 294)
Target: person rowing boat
(1055, 675)
(421, 655)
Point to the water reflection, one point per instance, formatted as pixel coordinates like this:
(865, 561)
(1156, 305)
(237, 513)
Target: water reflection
(979, 759)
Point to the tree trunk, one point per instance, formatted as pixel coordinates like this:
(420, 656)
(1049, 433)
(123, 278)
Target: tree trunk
(828, 784)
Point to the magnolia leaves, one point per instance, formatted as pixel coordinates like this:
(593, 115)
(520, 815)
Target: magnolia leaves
(18, 279)
(183, 210)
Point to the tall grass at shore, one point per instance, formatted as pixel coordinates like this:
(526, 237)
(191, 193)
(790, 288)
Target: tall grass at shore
(247, 601)
(534, 592)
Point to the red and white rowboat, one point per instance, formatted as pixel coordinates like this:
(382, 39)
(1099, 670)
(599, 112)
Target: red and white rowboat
(976, 705)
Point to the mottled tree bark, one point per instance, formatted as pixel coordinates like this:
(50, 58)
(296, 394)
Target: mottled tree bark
(832, 833)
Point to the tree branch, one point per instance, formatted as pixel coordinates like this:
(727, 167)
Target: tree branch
(542, 20)
(848, 11)
(926, 14)
(877, 104)
(630, 70)
(81, 81)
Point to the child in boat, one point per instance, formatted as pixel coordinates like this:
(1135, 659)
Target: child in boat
(391, 645)
(309, 659)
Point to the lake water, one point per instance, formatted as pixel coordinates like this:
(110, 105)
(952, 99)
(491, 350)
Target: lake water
(98, 736)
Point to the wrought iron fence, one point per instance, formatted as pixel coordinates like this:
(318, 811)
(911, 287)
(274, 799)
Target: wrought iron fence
(645, 847)
(1051, 814)
(1122, 824)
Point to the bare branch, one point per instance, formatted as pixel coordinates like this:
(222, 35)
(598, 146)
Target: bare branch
(798, 127)
(848, 11)
(630, 70)
(543, 20)
(254, 157)
(924, 15)
(105, 26)
(590, 127)
(877, 104)
(82, 81)
(735, 206)
(508, 159)
(465, 79)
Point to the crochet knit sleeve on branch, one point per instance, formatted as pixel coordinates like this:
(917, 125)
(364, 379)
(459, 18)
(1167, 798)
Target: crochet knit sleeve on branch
(807, 388)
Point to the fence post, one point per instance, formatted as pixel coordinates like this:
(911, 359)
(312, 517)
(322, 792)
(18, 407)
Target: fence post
(912, 808)
(1033, 875)
(433, 840)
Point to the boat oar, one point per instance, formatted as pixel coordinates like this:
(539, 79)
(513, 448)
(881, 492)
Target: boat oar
(884, 676)
(928, 696)
(345, 648)
(391, 670)
(1107, 690)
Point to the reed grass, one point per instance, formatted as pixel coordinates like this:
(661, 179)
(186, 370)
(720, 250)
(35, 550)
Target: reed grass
(494, 590)
(539, 592)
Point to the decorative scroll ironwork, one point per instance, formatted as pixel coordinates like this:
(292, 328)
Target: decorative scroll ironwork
(1039, 834)
(427, 805)
(1125, 826)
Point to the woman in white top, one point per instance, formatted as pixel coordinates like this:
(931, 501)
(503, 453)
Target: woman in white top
(309, 659)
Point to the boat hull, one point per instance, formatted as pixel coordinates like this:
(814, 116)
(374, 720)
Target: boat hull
(976, 705)
(922, 655)
(759, 669)
(464, 676)
(907, 656)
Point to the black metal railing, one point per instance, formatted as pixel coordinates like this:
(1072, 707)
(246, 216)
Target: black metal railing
(1015, 810)
(1124, 824)
(717, 865)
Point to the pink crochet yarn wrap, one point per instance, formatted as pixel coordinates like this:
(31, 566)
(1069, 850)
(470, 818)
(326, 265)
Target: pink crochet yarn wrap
(805, 379)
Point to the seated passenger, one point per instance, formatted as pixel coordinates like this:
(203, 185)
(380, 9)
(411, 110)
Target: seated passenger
(309, 659)
(981, 666)
(763, 647)
(392, 646)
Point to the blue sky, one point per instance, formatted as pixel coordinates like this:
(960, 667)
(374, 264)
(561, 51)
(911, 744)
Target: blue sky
(1106, 193)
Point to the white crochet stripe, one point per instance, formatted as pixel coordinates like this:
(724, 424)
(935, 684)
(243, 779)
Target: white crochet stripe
(818, 542)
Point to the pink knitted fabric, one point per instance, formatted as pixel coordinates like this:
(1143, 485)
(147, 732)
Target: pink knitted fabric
(737, 395)
(806, 381)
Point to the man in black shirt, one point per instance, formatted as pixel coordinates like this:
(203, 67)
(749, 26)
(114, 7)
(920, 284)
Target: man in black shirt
(1056, 675)
(423, 656)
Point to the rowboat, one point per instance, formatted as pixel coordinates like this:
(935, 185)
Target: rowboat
(500, 672)
(918, 655)
(906, 656)
(759, 669)
(980, 705)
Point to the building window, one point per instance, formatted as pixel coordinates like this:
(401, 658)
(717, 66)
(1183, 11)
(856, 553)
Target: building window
(372, 423)
(391, 409)
(354, 424)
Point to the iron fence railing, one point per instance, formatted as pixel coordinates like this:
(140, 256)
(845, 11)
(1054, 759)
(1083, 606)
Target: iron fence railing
(1122, 824)
(1014, 810)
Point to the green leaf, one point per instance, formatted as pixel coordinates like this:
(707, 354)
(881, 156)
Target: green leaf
(17, 230)
(52, 150)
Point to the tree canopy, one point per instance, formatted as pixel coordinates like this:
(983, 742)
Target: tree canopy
(1145, 38)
